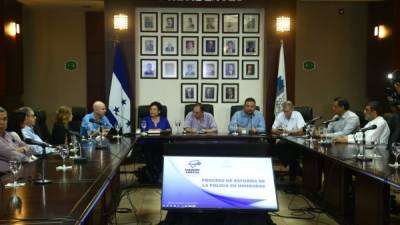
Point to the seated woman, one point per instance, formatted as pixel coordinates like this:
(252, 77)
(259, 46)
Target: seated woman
(154, 121)
(60, 134)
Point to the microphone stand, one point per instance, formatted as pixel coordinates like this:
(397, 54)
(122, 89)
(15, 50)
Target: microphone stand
(43, 180)
(361, 151)
(101, 145)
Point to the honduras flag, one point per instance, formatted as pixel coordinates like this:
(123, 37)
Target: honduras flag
(119, 101)
(281, 95)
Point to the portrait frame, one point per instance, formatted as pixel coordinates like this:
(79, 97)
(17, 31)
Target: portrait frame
(169, 69)
(169, 22)
(210, 51)
(209, 69)
(143, 69)
(210, 23)
(227, 88)
(145, 42)
(188, 75)
(227, 74)
(226, 50)
(230, 23)
(251, 23)
(250, 46)
(209, 92)
(195, 42)
(169, 45)
(184, 90)
(148, 22)
(246, 74)
(187, 26)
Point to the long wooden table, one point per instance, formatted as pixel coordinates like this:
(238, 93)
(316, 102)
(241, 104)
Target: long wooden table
(82, 195)
(370, 180)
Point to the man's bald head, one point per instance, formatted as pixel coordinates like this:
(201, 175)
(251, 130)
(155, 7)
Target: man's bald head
(99, 109)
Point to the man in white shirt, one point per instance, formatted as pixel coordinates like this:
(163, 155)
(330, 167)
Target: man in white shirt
(346, 122)
(379, 135)
(288, 122)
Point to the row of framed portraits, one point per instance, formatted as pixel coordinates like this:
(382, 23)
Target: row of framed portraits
(190, 22)
(209, 93)
(209, 69)
(190, 46)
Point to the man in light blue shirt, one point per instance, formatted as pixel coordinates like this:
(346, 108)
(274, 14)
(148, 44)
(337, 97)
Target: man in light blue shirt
(92, 122)
(248, 119)
(199, 121)
(28, 133)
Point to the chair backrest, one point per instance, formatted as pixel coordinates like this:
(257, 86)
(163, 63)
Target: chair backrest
(15, 119)
(40, 127)
(360, 115)
(305, 111)
(207, 108)
(236, 108)
(143, 111)
(78, 113)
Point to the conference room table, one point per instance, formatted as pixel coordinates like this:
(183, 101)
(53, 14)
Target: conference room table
(356, 191)
(85, 194)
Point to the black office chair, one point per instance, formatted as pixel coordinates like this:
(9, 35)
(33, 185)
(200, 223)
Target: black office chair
(236, 108)
(15, 119)
(360, 115)
(305, 111)
(41, 128)
(207, 108)
(143, 111)
(78, 113)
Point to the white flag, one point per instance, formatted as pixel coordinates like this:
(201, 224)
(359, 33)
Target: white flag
(281, 95)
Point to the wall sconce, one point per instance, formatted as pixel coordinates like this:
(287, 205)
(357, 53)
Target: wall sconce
(12, 29)
(283, 24)
(120, 22)
(380, 31)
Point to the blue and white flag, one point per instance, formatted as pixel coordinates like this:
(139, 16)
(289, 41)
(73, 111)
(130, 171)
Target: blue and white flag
(119, 101)
(281, 95)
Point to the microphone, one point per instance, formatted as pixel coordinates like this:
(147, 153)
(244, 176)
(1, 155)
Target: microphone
(331, 120)
(33, 142)
(372, 127)
(71, 132)
(314, 119)
(96, 122)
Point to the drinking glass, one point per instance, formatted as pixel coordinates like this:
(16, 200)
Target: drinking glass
(178, 125)
(15, 166)
(74, 146)
(234, 128)
(396, 153)
(143, 125)
(64, 152)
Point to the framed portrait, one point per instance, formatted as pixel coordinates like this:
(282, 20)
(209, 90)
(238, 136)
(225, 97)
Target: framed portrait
(210, 46)
(230, 69)
(230, 23)
(250, 46)
(189, 93)
(169, 22)
(169, 45)
(250, 70)
(251, 23)
(148, 69)
(169, 69)
(209, 92)
(209, 69)
(148, 45)
(230, 93)
(190, 46)
(230, 46)
(190, 69)
(210, 22)
(148, 22)
(190, 22)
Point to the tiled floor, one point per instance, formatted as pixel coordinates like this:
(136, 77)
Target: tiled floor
(147, 209)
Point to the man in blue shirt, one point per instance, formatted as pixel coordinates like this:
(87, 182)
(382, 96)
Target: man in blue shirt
(247, 120)
(92, 122)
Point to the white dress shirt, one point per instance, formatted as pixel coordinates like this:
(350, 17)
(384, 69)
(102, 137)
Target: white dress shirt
(380, 135)
(347, 124)
(295, 122)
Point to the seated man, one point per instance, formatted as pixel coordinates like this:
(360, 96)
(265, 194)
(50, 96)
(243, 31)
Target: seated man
(379, 135)
(92, 122)
(28, 132)
(344, 120)
(199, 121)
(288, 122)
(248, 119)
(10, 147)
